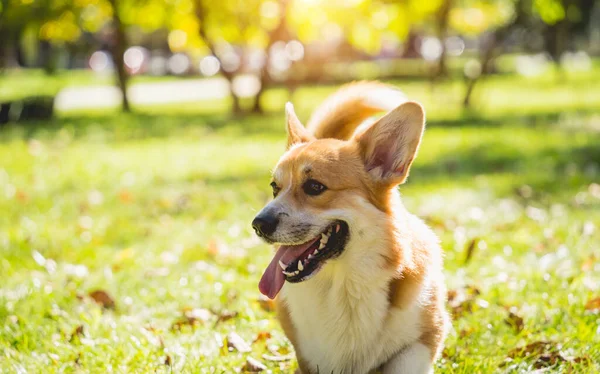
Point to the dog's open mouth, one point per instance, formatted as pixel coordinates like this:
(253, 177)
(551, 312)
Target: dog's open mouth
(297, 263)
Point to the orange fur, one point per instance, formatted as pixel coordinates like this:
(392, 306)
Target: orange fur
(338, 155)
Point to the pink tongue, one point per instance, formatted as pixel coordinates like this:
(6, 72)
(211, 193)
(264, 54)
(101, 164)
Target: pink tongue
(273, 277)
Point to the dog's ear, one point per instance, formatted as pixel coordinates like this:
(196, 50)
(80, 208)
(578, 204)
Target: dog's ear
(389, 146)
(297, 133)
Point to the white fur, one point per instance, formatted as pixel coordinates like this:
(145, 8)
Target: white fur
(415, 359)
(342, 316)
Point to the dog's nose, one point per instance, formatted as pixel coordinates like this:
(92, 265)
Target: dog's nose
(265, 225)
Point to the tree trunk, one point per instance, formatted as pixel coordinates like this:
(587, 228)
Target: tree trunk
(47, 57)
(201, 11)
(486, 60)
(119, 46)
(442, 31)
(280, 32)
(489, 51)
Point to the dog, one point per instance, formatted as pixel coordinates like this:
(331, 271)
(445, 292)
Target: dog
(357, 280)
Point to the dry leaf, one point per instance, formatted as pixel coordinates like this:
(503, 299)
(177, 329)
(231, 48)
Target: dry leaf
(466, 332)
(470, 250)
(593, 305)
(168, 361)
(21, 196)
(266, 304)
(461, 300)
(253, 365)
(78, 331)
(263, 335)
(103, 298)
(125, 196)
(515, 321)
(225, 315)
(234, 341)
(191, 317)
(589, 263)
(212, 248)
(532, 349)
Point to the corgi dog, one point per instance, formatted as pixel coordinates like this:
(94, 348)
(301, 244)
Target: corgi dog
(357, 279)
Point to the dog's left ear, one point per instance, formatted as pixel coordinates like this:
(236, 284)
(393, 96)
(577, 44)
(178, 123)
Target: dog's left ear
(297, 133)
(389, 146)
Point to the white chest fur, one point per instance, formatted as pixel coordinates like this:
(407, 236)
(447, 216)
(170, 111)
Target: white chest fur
(343, 322)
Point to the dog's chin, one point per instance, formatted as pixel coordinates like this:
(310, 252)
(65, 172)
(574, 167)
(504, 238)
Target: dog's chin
(328, 245)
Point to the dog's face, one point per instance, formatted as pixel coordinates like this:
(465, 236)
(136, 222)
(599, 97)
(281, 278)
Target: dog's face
(327, 191)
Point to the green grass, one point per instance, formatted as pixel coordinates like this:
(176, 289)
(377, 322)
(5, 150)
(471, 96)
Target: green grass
(154, 208)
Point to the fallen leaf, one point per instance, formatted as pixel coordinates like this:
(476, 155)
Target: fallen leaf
(168, 361)
(544, 353)
(533, 349)
(466, 332)
(462, 300)
(589, 263)
(103, 298)
(78, 331)
(234, 341)
(225, 315)
(125, 196)
(21, 196)
(191, 317)
(212, 248)
(470, 250)
(548, 359)
(253, 365)
(593, 305)
(266, 304)
(515, 321)
(263, 335)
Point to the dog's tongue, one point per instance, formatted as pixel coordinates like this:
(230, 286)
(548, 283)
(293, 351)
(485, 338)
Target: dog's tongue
(273, 277)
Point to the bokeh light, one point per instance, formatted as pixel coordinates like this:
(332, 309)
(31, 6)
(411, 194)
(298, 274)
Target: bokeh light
(209, 66)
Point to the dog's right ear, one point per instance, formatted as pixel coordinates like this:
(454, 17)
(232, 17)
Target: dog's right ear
(297, 133)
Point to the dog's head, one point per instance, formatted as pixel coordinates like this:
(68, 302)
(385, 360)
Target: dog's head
(330, 194)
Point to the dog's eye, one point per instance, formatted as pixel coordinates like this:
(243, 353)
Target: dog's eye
(276, 189)
(313, 187)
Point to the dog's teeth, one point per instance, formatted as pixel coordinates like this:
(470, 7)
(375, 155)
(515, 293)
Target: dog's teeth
(300, 266)
(324, 238)
(309, 257)
(288, 274)
(316, 252)
(337, 228)
(321, 246)
(283, 266)
(297, 272)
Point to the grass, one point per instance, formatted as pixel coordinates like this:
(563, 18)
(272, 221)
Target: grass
(154, 209)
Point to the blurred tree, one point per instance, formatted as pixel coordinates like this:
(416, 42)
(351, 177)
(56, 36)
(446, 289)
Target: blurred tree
(4, 33)
(203, 14)
(118, 47)
(442, 25)
(491, 46)
(279, 33)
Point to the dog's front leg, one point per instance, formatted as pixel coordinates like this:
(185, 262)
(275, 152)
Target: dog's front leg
(414, 359)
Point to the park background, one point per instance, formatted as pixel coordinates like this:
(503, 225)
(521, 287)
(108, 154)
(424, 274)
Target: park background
(137, 137)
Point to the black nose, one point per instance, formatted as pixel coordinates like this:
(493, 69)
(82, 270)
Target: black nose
(265, 224)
